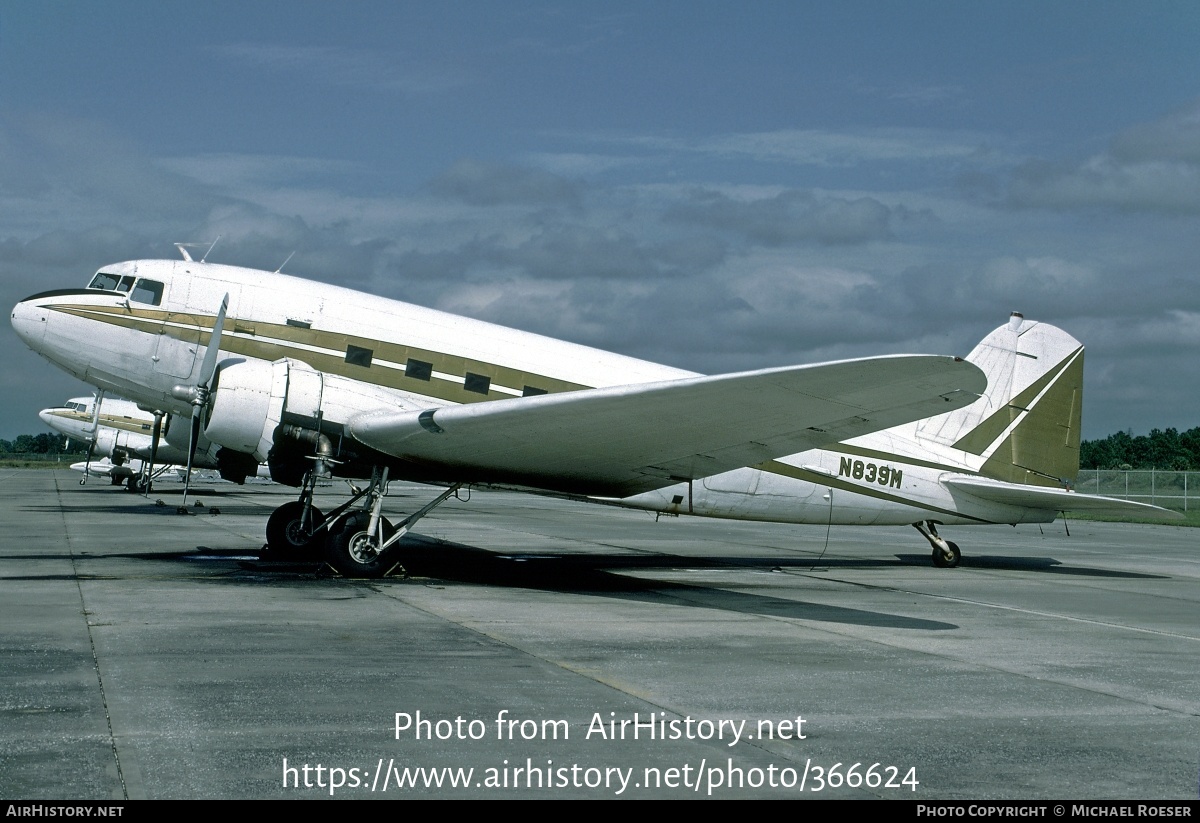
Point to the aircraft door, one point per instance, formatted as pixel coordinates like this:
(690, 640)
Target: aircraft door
(178, 338)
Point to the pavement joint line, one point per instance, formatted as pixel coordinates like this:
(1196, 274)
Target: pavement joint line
(112, 739)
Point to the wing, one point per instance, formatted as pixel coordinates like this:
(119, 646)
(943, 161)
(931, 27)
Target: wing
(623, 440)
(1044, 497)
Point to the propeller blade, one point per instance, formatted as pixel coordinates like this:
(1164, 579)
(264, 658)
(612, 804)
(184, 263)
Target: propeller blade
(209, 366)
(192, 438)
(200, 398)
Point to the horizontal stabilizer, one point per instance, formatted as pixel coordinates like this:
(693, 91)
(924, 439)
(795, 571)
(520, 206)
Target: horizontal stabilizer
(623, 440)
(1042, 497)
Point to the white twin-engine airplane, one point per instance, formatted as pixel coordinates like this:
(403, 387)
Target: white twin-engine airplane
(122, 436)
(319, 380)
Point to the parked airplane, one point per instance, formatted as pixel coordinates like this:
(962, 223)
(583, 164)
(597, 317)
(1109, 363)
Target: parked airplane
(319, 380)
(129, 471)
(123, 433)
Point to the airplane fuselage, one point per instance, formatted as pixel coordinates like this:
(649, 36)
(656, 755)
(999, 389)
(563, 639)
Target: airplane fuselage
(324, 352)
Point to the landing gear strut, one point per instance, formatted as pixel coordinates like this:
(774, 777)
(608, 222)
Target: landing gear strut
(945, 553)
(143, 481)
(295, 530)
(366, 544)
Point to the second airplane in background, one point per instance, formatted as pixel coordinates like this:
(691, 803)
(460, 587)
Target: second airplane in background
(121, 436)
(320, 380)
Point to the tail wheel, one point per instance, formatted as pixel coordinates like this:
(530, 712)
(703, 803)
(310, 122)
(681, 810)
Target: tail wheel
(942, 562)
(289, 538)
(354, 551)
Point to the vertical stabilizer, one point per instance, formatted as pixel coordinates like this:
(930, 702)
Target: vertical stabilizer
(1026, 427)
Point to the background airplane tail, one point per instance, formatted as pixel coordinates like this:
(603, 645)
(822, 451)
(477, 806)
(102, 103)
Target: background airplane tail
(1026, 427)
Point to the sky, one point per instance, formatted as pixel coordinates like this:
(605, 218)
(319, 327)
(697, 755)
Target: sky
(714, 185)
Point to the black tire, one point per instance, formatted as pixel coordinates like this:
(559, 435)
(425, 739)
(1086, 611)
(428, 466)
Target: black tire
(355, 553)
(286, 540)
(942, 562)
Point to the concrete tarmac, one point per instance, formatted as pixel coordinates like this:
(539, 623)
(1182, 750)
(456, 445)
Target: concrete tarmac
(547, 648)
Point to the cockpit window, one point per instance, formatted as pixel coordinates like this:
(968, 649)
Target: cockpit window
(112, 282)
(147, 291)
(105, 281)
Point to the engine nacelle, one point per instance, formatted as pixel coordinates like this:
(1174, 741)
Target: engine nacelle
(250, 398)
(109, 442)
(246, 405)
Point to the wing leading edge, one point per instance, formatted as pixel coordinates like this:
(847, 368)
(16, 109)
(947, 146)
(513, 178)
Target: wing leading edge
(624, 440)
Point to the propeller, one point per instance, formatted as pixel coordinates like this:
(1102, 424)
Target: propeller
(198, 395)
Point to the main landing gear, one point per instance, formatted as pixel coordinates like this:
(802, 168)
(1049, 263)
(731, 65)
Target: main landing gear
(357, 543)
(945, 554)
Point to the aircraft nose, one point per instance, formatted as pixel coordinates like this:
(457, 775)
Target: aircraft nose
(29, 322)
(46, 415)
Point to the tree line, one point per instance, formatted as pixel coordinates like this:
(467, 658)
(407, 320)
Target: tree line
(1166, 449)
(45, 444)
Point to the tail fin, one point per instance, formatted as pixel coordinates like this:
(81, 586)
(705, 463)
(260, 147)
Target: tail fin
(1026, 427)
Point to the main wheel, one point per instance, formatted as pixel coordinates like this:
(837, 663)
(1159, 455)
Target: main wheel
(354, 551)
(287, 539)
(942, 562)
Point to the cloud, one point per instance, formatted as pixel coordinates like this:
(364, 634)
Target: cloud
(1104, 182)
(579, 164)
(75, 174)
(833, 148)
(1173, 138)
(235, 171)
(492, 184)
(1153, 167)
(788, 217)
(332, 65)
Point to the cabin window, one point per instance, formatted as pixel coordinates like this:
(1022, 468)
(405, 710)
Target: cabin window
(418, 370)
(299, 324)
(147, 291)
(477, 383)
(531, 391)
(358, 356)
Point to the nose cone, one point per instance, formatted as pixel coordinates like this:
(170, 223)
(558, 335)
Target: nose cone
(47, 416)
(29, 322)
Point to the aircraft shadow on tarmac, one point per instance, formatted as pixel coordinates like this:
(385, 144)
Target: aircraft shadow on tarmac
(599, 575)
(1046, 565)
(427, 553)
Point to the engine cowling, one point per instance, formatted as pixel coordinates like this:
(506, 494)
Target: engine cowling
(250, 398)
(245, 406)
(112, 443)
